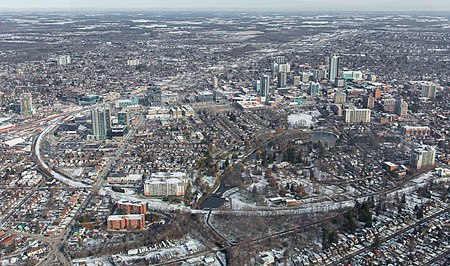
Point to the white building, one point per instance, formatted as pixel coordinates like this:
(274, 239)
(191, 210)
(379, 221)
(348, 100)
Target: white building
(354, 116)
(133, 62)
(423, 157)
(429, 90)
(165, 184)
(334, 68)
(63, 60)
(155, 187)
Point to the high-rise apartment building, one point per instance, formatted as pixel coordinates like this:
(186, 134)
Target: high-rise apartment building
(423, 157)
(368, 101)
(286, 68)
(281, 59)
(314, 88)
(354, 116)
(296, 80)
(388, 105)
(265, 80)
(101, 123)
(334, 68)
(340, 97)
(215, 82)
(377, 93)
(64, 60)
(319, 74)
(26, 105)
(158, 187)
(401, 108)
(282, 79)
(429, 90)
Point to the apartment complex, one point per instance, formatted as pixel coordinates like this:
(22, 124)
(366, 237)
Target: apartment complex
(126, 222)
(423, 157)
(354, 116)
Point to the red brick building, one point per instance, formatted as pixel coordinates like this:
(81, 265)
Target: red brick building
(132, 207)
(126, 222)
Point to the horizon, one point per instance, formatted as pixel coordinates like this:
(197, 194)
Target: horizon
(289, 6)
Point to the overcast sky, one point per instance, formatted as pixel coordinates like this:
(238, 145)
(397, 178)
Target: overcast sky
(247, 5)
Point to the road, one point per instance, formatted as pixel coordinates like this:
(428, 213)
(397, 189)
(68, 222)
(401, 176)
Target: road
(57, 256)
(57, 253)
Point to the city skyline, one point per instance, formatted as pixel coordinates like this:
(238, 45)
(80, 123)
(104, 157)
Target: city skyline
(228, 5)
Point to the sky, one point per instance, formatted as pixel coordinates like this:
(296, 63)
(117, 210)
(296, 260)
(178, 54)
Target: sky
(218, 5)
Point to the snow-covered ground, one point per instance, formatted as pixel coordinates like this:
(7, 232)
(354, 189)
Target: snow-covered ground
(154, 204)
(303, 119)
(210, 179)
(300, 120)
(167, 250)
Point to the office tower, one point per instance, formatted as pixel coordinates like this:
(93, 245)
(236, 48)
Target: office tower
(296, 81)
(265, 86)
(334, 68)
(423, 157)
(215, 82)
(281, 80)
(314, 89)
(154, 95)
(101, 123)
(340, 97)
(63, 60)
(368, 101)
(429, 90)
(353, 116)
(26, 105)
(123, 118)
(401, 108)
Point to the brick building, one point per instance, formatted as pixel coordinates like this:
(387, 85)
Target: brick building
(132, 207)
(126, 222)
